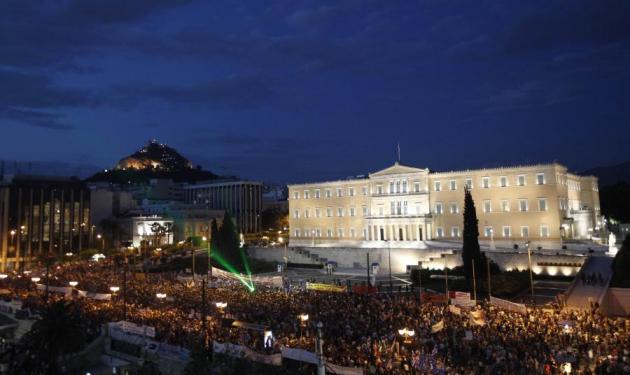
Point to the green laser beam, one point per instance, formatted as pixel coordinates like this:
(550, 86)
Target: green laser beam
(249, 284)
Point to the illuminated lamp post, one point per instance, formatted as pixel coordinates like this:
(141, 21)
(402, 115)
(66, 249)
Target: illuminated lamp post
(407, 334)
(303, 320)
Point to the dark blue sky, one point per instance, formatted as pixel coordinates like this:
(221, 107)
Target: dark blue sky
(292, 91)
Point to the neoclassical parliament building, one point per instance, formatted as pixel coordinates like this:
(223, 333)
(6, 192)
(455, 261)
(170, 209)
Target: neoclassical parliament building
(404, 206)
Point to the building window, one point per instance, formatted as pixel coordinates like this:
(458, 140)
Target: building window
(542, 204)
(340, 211)
(437, 186)
(487, 231)
(391, 187)
(416, 187)
(339, 192)
(296, 195)
(306, 213)
(505, 206)
(317, 194)
(522, 205)
(469, 183)
(544, 231)
(351, 192)
(329, 232)
(329, 212)
(379, 189)
(318, 232)
(525, 232)
(351, 211)
(364, 190)
(352, 233)
(485, 182)
(306, 194)
(520, 180)
(454, 232)
(540, 179)
(365, 233)
(503, 181)
(507, 231)
(296, 233)
(439, 232)
(487, 205)
(454, 208)
(328, 193)
(317, 214)
(438, 208)
(453, 185)
(296, 214)
(404, 186)
(340, 232)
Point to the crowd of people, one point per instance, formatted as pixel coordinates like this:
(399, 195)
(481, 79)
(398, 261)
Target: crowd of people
(359, 330)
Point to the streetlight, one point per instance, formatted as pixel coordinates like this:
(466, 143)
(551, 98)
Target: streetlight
(303, 320)
(102, 242)
(221, 305)
(531, 274)
(73, 283)
(407, 334)
(114, 289)
(35, 279)
(160, 296)
(3, 276)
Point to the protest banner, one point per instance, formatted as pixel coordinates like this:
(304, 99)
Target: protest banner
(437, 327)
(340, 370)
(325, 287)
(508, 305)
(299, 355)
(454, 310)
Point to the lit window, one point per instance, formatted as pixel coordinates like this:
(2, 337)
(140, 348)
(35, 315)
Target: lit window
(340, 232)
(487, 231)
(306, 213)
(340, 211)
(404, 186)
(351, 192)
(525, 232)
(329, 232)
(542, 204)
(437, 186)
(453, 185)
(438, 208)
(455, 232)
(487, 206)
(351, 211)
(296, 214)
(417, 187)
(339, 192)
(364, 190)
(520, 180)
(507, 232)
(503, 181)
(505, 206)
(454, 208)
(379, 189)
(522, 205)
(544, 231)
(296, 195)
(540, 178)
(329, 212)
(439, 232)
(469, 183)
(306, 194)
(352, 233)
(296, 233)
(328, 193)
(485, 182)
(318, 233)
(317, 212)
(317, 193)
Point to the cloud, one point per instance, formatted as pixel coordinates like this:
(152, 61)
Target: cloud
(35, 118)
(236, 92)
(571, 23)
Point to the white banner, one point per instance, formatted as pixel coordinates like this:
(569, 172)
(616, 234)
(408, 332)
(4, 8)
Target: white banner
(477, 317)
(507, 305)
(464, 302)
(437, 327)
(455, 310)
(55, 289)
(299, 355)
(275, 281)
(96, 296)
(340, 370)
(132, 328)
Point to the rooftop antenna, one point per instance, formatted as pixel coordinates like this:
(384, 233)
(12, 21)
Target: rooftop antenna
(398, 149)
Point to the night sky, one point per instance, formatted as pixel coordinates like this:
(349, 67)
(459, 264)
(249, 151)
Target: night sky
(291, 91)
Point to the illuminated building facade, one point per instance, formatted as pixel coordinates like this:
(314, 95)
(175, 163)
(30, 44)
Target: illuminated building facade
(406, 206)
(40, 215)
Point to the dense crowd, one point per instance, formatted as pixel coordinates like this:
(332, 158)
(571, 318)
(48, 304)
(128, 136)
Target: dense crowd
(360, 330)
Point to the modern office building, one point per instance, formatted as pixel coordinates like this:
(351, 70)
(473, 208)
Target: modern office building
(242, 199)
(40, 215)
(406, 206)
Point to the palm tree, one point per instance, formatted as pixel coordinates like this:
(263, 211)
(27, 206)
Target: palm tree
(59, 332)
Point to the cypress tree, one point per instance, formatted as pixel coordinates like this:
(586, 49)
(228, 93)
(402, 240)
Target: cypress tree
(229, 242)
(470, 249)
(214, 235)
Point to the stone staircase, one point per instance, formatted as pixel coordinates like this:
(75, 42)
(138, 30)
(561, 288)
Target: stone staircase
(580, 295)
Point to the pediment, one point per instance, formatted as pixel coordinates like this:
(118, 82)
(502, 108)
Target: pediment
(398, 169)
